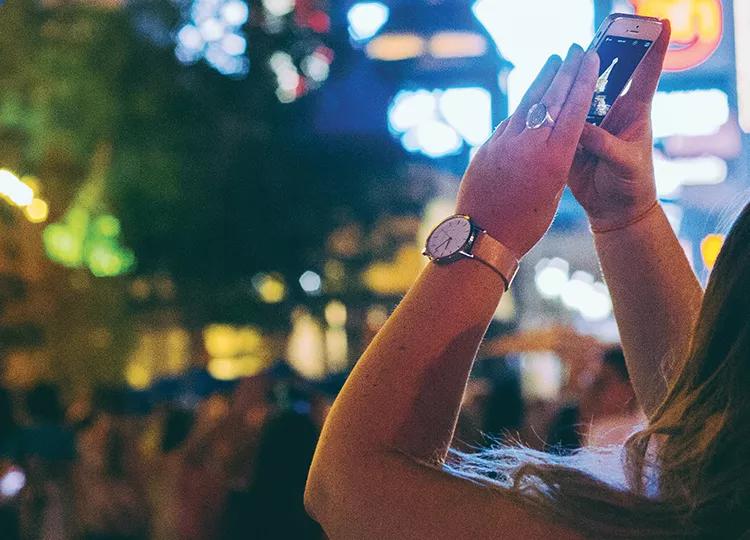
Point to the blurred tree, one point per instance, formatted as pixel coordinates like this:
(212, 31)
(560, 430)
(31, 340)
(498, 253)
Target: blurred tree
(212, 178)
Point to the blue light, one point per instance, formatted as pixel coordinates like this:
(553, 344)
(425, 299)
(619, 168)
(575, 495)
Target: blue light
(410, 109)
(213, 32)
(311, 282)
(366, 18)
(235, 13)
(709, 111)
(437, 139)
(469, 111)
(440, 122)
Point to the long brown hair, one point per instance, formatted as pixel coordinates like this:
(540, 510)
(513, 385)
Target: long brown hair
(687, 475)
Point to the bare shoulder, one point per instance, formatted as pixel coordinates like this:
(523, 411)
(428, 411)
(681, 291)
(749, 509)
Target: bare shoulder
(401, 499)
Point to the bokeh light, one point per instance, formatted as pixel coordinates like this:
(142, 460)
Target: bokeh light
(457, 45)
(443, 122)
(270, 287)
(672, 174)
(551, 277)
(311, 282)
(578, 292)
(396, 47)
(14, 190)
(365, 19)
(335, 313)
(709, 110)
(11, 483)
(213, 32)
(37, 211)
(81, 239)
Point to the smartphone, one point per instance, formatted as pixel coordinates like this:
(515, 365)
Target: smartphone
(622, 42)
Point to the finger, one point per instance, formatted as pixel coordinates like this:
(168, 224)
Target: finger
(646, 77)
(501, 127)
(604, 145)
(558, 91)
(570, 123)
(535, 93)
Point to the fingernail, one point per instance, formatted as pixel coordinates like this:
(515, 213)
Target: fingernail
(574, 50)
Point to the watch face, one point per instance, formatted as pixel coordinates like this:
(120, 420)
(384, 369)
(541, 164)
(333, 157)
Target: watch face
(449, 237)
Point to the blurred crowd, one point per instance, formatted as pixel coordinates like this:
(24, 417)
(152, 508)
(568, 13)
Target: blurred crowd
(201, 459)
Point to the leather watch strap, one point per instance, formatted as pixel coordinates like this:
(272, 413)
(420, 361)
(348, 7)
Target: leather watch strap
(495, 255)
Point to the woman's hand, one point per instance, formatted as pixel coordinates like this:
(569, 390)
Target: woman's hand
(613, 175)
(514, 183)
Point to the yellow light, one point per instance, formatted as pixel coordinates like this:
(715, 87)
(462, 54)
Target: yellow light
(219, 340)
(248, 365)
(337, 350)
(506, 309)
(229, 369)
(222, 369)
(13, 190)
(457, 45)
(270, 288)
(376, 317)
(394, 278)
(249, 339)
(223, 340)
(37, 211)
(742, 59)
(137, 376)
(32, 182)
(710, 248)
(394, 47)
(335, 314)
(306, 346)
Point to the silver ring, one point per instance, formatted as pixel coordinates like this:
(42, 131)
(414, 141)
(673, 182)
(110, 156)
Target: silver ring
(539, 117)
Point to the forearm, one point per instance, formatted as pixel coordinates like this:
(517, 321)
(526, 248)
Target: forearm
(656, 299)
(405, 393)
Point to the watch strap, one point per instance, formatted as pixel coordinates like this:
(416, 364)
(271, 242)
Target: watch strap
(495, 255)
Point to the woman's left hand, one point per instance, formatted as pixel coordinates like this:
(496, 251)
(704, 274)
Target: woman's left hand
(514, 183)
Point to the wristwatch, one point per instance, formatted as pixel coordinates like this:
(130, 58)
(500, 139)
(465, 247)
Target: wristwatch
(458, 237)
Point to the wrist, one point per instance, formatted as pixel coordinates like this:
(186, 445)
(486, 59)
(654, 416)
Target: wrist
(501, 232)
(623, 218)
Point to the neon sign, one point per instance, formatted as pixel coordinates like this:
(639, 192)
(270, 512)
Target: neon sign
(697, 28)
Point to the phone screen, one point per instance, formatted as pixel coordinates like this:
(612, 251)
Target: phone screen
(619, 56)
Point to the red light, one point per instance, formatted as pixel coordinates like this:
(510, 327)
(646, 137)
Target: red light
(319, 22)
(326, 53)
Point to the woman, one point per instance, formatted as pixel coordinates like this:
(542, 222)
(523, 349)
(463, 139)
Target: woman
(382, 468)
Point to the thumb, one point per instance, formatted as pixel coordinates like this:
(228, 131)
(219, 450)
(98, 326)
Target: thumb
(604, 145)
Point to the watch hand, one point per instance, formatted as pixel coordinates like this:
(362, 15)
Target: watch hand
(446, 242)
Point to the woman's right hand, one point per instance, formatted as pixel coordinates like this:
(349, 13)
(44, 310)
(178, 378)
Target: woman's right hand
(613, 174)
